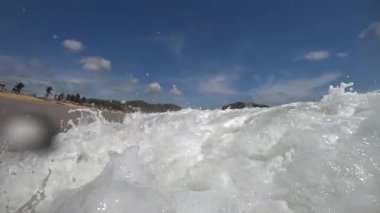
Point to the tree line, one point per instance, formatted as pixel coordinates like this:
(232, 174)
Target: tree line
(19, 86)
(129, 106)
(71, 97)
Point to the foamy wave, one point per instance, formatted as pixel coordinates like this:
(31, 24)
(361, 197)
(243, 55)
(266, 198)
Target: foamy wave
(301, 157)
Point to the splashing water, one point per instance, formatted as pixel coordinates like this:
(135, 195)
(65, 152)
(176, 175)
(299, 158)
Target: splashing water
(300, 157)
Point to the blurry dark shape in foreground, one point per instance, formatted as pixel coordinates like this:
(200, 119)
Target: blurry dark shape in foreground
(241, 105)
(27, 132)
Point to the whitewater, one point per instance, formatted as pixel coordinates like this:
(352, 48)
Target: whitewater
(302, 157)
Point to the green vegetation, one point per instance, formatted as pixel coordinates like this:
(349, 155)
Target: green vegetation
(133, 106)
(48, 91)
(241, 105)
(18, 87)
(2, 87)
(129, 106)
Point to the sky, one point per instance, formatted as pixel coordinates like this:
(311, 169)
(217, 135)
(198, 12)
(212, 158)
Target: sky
(195, 53)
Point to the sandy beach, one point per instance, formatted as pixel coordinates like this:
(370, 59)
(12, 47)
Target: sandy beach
(57, 113)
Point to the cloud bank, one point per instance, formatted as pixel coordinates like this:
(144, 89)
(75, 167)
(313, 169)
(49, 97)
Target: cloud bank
(153, 87)
(95, 64)
(373, 27)
(286, 91)
(72, 45)
(316, 55)
(130, 85)
(175, 91)
(219, 84)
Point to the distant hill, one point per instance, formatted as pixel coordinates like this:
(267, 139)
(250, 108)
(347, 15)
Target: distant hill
(147, 107)
(133, 106)
(241, 105)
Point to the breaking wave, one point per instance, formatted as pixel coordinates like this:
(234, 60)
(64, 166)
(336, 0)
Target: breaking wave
(301, 157)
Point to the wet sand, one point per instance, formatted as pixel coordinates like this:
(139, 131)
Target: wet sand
(58, 114)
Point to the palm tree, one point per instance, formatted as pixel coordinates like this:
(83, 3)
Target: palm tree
(18, 87)
(2, 87)
(48, 91)
(61, 96)
(77, 98)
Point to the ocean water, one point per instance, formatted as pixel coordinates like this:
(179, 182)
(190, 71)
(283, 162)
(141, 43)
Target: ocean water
(301, 157)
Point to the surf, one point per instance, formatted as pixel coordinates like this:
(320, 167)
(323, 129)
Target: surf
(301, 157)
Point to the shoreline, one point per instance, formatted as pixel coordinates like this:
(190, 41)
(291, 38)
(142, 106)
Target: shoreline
(36, 100)
(55, 112)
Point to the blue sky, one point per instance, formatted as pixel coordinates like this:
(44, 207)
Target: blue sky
(192, 53)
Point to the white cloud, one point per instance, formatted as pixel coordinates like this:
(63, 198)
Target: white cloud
(73, 45)
(175, 91)
(286, 91)
(130, 85)
(218, 84)
(372, 27)
(342, 54)
(95, 63)
(316, 55)
(73, 80)
(153, 87)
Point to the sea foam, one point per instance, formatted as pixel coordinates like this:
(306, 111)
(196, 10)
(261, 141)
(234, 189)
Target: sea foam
(300, 157)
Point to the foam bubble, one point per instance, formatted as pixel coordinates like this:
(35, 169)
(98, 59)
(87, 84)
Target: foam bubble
(301, 157)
